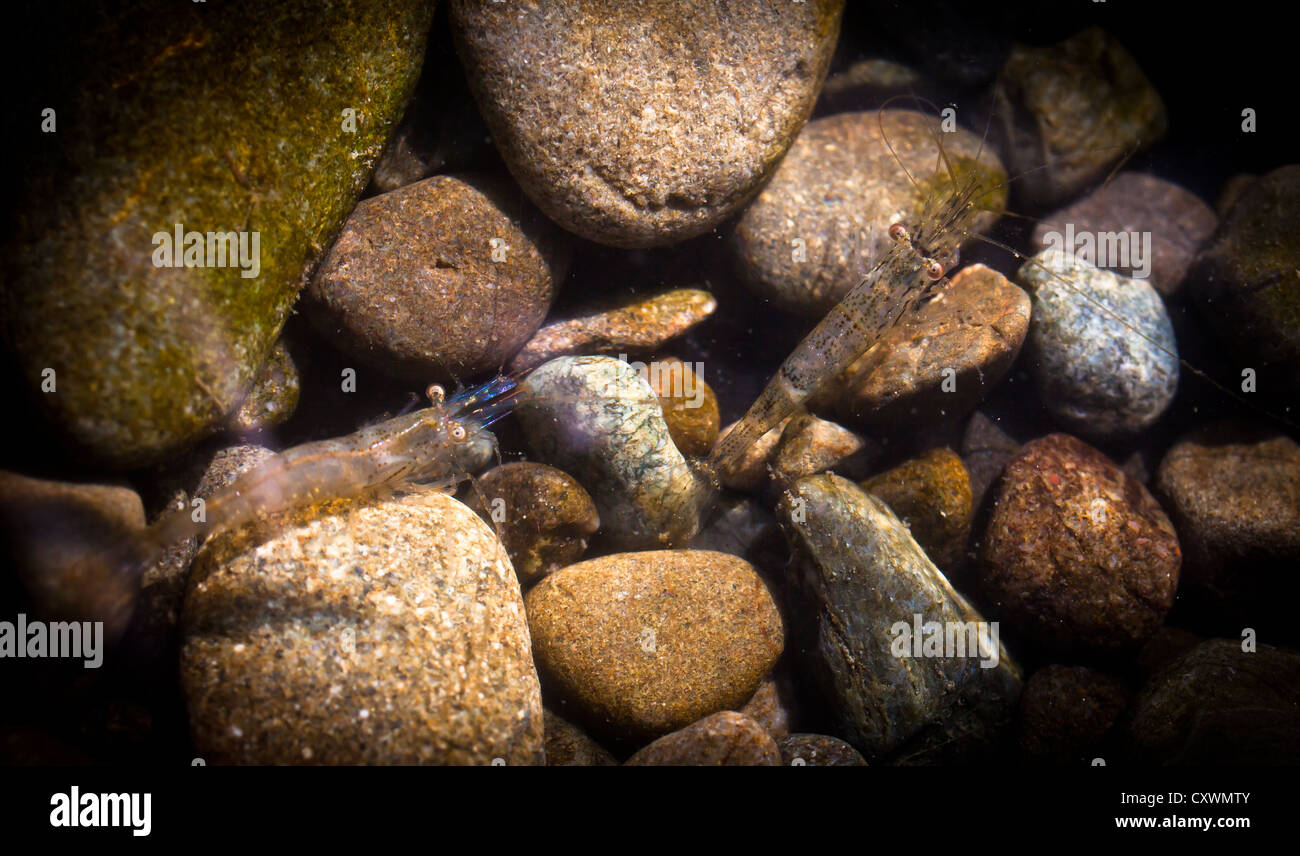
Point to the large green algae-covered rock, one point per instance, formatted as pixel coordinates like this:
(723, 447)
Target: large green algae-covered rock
(223, 118)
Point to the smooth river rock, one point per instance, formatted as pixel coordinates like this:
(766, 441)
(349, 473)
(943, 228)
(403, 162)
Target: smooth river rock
(644, 122)
(639, 644)
(864, 578)
(387, 633)
(172, 114)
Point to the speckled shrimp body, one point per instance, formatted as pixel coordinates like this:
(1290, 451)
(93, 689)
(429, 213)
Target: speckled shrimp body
(438, 443)
(907, 274)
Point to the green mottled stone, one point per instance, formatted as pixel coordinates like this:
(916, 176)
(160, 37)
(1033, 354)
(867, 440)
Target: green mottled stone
(598, 419)
(221, 117)
(862, 572)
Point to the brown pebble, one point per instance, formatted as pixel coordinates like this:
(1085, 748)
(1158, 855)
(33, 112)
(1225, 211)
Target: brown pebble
(640, 327)
(1077, 554)
(818, 750)
(567, 745)
(640, 644)
(445, 277)
(942, 363)
(810, 445)
(354, 633)
(689, 404)
(644, 122)
(726, 739)
(1177, 221)
(931, 495)
(544, 517)
(1066, 712)
(769, 708)
(63, 539)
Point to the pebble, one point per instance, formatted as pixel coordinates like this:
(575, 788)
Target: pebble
(1246, 286)
(123, 169)
(1233, 492)
(689, 404)
(863, 573)
(567, 745)
(770, 708)
(274, 395)
(725, 739)
(942, 363)
(743, 527)
(1066, 713)
(823, 220)
(810, 445)
(1077, 554)
(818, 750)
(663, 138)
(640, 644)
(865, 84)
(1218, 705)
(1067, 113)
(598, 420)
(55, 531)
(1099, 377)
(631, 329)
(388, 633)
(542, 515)
(985, 450)
(931, 495)
(447, 277)
(1175, 222)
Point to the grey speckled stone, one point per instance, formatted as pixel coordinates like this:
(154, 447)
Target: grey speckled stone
(1097, 376)
(640, 122)
(598, 420)
(170, 113)
(862, 573)
(360, 634)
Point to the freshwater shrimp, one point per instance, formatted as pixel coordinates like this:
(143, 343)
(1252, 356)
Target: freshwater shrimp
(426, 448)
(910, 272)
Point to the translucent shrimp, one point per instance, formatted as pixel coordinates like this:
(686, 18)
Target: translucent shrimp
(433, 446)
(908, 274)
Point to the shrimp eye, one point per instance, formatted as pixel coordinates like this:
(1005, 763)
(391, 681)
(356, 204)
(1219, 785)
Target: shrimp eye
(933, 270)
(898, 232)
(436, 393)
(457, 432)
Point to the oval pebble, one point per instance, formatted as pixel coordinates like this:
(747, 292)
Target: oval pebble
(447, 277)
(391, 633)
(725, 739)
(1076, 553)
(823, 220)
(1099, 377)
(640, 644)
(818, 750)
(597, 419)
(661, 139)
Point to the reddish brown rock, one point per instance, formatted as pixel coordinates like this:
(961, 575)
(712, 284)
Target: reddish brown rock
(1077, 554)
(944, 361)
(725, 739)
(818, 750)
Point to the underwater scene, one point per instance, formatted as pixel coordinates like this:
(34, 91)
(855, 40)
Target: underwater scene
(621, 382)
